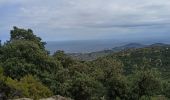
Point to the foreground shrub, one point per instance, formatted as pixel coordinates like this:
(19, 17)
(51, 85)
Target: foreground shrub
(29, 87)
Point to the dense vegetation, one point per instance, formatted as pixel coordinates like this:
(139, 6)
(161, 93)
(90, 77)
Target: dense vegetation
(27, 70)
(155, 56)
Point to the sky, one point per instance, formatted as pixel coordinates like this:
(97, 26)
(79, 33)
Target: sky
(63, 20)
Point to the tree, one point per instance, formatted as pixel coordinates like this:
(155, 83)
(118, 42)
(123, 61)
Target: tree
(146, 83)
(22, 34)
(25, 54)
(64, 59)
(0, 44)
(0, 48)
(106, 69)
(59, 82)
(166, 88)
(118, 88)
(21, 57)
(86, 88)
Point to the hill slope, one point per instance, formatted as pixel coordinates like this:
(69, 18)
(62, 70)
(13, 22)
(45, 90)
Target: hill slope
(157, 56)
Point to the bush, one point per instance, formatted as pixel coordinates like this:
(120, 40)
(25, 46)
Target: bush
(146, 83)
(86, 88)
(29, 87)
(166, 89)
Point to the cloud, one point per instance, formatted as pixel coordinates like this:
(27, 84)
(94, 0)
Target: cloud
(82, 15)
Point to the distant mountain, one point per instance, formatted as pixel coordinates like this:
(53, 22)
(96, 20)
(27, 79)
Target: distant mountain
(159, 44)
(128, 46)
(97, 54)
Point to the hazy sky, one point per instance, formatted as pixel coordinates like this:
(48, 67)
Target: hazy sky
(87, 19)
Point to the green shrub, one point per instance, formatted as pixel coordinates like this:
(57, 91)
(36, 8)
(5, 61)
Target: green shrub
(29, 87)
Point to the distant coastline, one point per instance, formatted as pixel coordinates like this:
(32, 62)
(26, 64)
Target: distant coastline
(87, 46)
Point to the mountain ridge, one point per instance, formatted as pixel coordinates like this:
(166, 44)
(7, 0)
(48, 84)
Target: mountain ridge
(102, 53)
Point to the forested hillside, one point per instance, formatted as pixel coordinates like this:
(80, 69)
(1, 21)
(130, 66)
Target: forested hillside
(28, 70)
(155, 56)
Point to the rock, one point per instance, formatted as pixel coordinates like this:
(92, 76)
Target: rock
(57, 97)
(22, 99)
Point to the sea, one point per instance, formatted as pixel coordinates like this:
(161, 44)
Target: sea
(86, 46)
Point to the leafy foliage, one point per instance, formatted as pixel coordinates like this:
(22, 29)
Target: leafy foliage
(145, 83)
(29, 87)
(29, 71)
(26, 87)
(22, 34)
(86, 88)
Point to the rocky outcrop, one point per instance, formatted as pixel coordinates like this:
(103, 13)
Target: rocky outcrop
(22, 99)
(57, 97)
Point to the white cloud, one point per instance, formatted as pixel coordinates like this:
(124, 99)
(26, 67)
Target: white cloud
(81, 13)
(88, 14)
